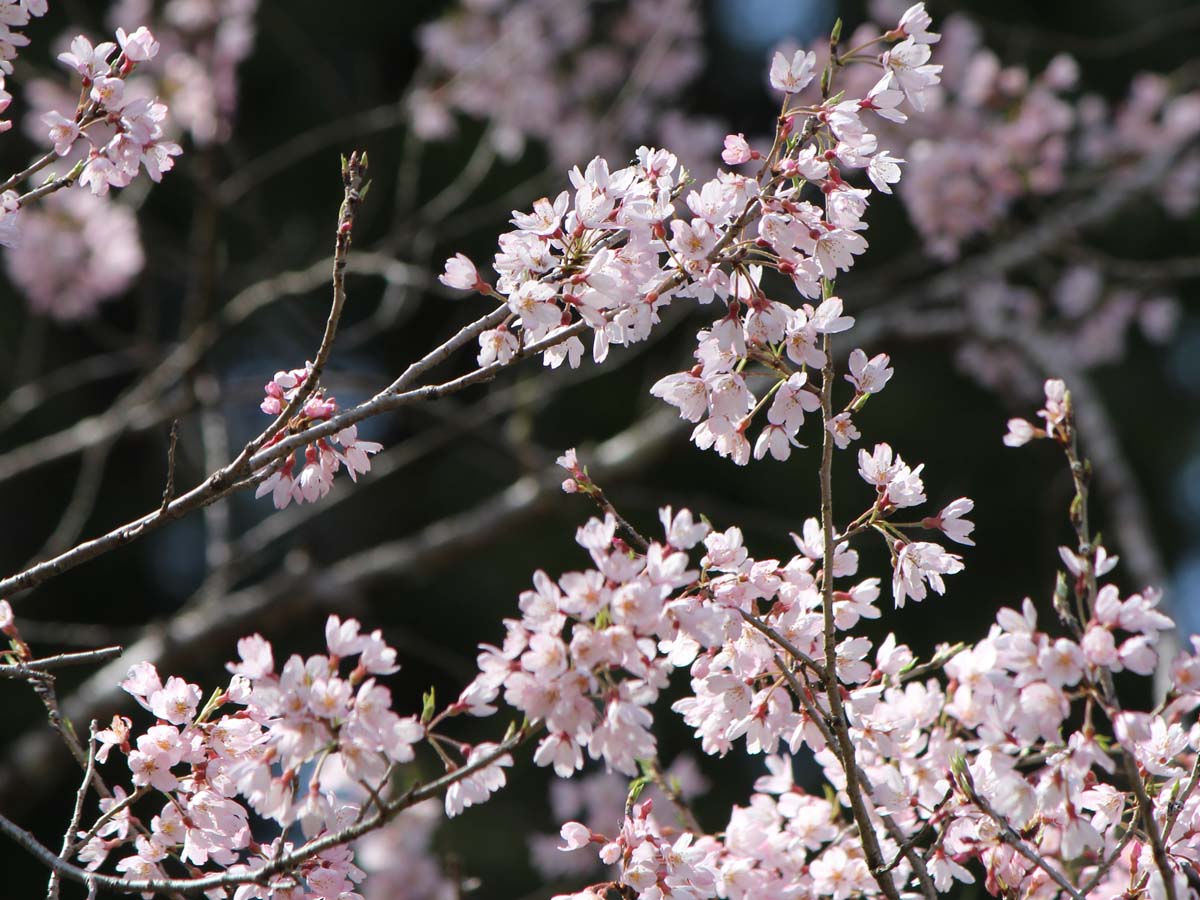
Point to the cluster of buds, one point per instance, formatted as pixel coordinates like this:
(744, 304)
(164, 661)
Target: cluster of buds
(323, 457)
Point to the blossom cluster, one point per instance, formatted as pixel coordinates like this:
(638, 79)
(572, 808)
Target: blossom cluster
(285, 746)
(597, 799)
(14, 14)
(988, 753)
(323, 457)
(617, 254)
(994, 134)
(594, 650)
(88, 251)
(583, 658)
(997, 741)
(990, 135)
(134, 138)
(809, 243)
(593, 254)
(191, 63)
(557, 72)
(203, 43)
(993, 137)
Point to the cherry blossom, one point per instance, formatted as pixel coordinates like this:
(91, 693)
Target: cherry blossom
(461, 274)
(792, 75)
(950, 521)
(139, 46)
(90, 253)
(1007, 758)
(323, 458)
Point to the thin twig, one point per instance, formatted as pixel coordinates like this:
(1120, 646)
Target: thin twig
(795, 652)
(115, 809)
(354, 171)
(1111, 859)
(639, 542)
(62, 660)
(671, 793)
(51, 187)
(1176, 806)
(80, 798)
(1009, 835)
(169, 491)
(1080, 474)
(936, 664)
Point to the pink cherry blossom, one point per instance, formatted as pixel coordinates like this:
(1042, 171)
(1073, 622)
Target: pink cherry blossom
(737, 150)
(792, 75)
(460, 273)
(476, 788)
(138, 46)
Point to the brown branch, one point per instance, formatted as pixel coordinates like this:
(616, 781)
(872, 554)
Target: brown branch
(640, 543)
(169, 491)
(354, 170)
(253, 459)
(1080, 474)
(36, 166)
(225, 481)
(838, 720)
(115, 809)
(1110, 860)
(1010, 836)
(907, 846)
(51, 187)
(80, 798)
(793, 651)
(62, 660)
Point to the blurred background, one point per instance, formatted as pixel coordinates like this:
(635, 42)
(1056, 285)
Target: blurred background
(1046, 226)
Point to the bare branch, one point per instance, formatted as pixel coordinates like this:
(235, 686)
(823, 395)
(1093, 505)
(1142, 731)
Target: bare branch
(354, 170)
(62, 660)
(169, 490)
(80, 797)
